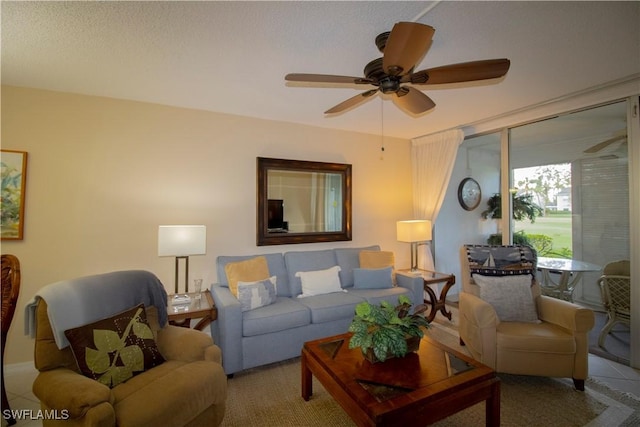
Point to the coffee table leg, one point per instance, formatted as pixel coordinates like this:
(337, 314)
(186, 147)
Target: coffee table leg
(306, 377)
(493, 406)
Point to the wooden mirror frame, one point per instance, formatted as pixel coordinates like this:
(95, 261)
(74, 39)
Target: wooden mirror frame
(263, 238)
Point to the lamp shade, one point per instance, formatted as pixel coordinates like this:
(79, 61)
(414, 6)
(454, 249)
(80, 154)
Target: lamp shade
(182, 240)
(418, 230)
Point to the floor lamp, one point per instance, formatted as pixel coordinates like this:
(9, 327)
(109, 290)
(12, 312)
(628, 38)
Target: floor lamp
(416, 232)
(181, 241)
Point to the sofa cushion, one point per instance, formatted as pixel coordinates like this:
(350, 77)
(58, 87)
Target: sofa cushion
(329, 307)
(373, 278)
(510, 296)
(306, 261)
(275, 263)
(257, 294)
(249, 270)
(379, 259)
(376, 259)
(532, 337)
(284, 314)
(114, 349)
(319, 282)
(159, 396)
(348, 259)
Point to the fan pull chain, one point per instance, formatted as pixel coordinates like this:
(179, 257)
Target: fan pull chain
(381, 129)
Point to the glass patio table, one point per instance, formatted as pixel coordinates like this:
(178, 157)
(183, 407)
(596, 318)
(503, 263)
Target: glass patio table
(570, 271)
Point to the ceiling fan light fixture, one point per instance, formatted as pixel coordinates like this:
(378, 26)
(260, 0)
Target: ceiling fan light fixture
(389, 84)
(402, 48)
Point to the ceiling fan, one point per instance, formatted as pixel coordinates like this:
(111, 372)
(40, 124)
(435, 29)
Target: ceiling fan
(393, 74)
(618, 136)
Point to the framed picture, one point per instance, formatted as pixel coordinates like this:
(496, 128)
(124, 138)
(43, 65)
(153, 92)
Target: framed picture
(14, 178)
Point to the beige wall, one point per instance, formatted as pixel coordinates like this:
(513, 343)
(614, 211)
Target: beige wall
(104, 173)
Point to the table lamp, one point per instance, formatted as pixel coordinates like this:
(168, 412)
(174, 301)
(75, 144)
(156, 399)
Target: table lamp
(181, 241)
(416, 232)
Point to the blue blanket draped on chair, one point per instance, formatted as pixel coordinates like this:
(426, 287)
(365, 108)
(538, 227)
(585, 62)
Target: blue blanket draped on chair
(77, 302)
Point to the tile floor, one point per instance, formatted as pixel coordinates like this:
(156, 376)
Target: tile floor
(19, 380)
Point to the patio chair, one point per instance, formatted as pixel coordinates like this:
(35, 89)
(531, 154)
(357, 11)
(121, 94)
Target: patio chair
(615, 286)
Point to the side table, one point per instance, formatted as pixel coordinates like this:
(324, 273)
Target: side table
(202, 308)
(431, 278)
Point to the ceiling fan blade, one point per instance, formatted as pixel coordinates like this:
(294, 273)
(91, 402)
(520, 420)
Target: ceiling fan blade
(413, 101)
(462, 72)
(351, 102)
(407, 43)
(605, 144)
(326, 78)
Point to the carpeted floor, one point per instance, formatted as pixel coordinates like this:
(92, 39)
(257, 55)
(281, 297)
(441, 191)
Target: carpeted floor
(617, 345)
(270, 395)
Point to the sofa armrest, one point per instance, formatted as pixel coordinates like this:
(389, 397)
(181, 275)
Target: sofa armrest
(565, 314)
(415, 284)
(186, 345)
(227, 329)
(64, 389)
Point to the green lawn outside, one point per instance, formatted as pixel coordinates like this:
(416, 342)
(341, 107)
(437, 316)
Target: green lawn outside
(557, 227)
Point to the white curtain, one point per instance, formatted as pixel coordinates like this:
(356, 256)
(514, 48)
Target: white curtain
(432, 159)
(333, 202)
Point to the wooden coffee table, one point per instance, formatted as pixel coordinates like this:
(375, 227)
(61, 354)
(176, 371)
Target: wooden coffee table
(419, 389)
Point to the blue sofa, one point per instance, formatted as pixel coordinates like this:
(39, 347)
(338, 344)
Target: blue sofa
(277, 331)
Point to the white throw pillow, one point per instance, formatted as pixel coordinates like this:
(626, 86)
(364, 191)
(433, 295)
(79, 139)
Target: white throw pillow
(510, 296)
(253, 295)
(320, 282)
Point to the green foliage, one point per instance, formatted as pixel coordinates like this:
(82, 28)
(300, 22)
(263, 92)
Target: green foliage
(384, 327)
(545, 181)
(560, 253)
(542, 243)
(523, 207)
(110, 347)
(519, 238)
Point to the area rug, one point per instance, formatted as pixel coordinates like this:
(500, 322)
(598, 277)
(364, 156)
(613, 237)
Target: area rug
(270, 396)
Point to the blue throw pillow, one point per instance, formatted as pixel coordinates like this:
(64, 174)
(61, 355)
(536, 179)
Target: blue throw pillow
(372, 278)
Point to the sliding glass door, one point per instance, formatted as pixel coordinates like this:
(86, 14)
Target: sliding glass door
(573, 171)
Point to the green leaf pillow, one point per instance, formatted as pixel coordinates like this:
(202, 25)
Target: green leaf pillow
(115, 349)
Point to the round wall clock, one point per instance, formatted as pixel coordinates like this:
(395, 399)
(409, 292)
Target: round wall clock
(469, 194)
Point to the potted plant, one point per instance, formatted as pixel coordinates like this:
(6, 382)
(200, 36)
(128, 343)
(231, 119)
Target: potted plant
(523, 207)
(384, 331)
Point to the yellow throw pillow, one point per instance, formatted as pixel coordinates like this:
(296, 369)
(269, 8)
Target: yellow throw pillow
(250, 270)
(378, 259)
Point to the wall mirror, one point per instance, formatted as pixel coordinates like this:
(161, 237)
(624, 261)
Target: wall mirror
(302, 202)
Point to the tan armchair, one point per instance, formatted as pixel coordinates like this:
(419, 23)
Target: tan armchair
(188, 389)
(555, 347)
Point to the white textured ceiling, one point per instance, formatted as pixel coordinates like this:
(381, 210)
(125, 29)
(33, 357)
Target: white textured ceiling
(231, 57)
